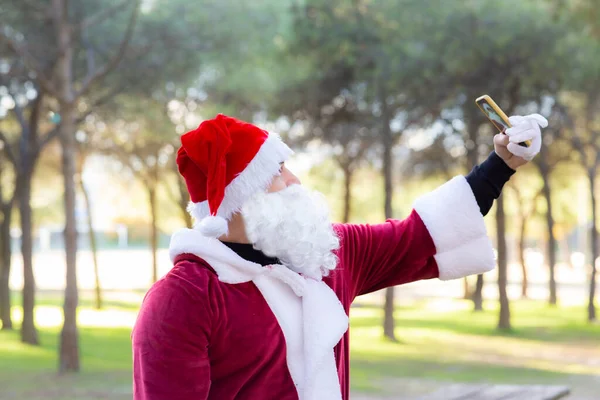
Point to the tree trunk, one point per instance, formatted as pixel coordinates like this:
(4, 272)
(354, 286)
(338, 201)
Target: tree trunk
(153, 231)
(28, 329)
(5, 255)
(347, 193)
(93, 245)
(183, 202)
(69, 338)
(478, 294)
(387, 142)
(28, 156)
(69, 341)
(565, 250)
(387, 173)
(551, 239)
(466, 290)
(5, 264)
(522, 256)
(504, 319)
(594, 246)
(472, 160)
(388, 312)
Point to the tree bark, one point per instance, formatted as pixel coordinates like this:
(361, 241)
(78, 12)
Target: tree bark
(478, 294)
(522, 231)
(387, 142)
(28, 329)
(466, 289)
(69, 338)
(67, 95)
(388, 312)
(594, 246)
(504, 318)
(347, 193)
(183, 202)
(28, 156)
(153, 231)
(472, 160)
(552, 300)
(5, 260)
(566, 250)
(69, 341)
(5, 255)
(93, 244)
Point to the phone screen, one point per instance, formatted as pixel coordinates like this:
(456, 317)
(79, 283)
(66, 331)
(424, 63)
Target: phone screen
(493, 116)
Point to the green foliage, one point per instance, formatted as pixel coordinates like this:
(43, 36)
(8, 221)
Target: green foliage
(514, 53)
(240, 72)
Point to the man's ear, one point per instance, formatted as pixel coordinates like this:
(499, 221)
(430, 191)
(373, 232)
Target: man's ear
(237, 229)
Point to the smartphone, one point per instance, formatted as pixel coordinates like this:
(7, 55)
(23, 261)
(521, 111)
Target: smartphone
(496, 115)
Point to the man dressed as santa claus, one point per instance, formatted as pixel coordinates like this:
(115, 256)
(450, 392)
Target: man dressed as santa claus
(256, 305)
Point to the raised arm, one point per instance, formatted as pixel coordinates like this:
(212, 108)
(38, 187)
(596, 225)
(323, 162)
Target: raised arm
(444, 236)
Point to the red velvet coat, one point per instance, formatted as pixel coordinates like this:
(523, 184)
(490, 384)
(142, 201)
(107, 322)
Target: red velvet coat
(212, 328)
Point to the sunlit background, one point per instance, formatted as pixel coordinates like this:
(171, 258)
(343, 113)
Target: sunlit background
(377, 99)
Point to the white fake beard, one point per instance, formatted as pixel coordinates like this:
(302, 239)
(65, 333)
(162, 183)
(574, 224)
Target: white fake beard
(293, 225)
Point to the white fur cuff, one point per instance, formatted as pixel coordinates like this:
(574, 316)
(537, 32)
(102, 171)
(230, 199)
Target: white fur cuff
(476, 257)
(453, 219)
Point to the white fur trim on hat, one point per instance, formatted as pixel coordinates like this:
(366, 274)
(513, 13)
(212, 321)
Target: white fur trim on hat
(257, 175)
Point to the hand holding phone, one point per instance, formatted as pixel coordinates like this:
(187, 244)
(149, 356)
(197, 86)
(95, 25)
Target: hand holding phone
(496, 116)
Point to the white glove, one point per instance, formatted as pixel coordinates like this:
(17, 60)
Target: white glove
(525, 128)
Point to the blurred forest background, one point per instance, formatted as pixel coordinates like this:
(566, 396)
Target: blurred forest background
(377, 98)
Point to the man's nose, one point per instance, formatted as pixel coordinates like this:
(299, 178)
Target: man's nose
(292, 179)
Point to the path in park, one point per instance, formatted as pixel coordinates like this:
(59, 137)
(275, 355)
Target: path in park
(582, 388)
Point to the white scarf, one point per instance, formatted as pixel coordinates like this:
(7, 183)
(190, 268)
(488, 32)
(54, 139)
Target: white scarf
(316, 308)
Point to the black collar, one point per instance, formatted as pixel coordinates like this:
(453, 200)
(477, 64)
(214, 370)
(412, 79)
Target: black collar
(249, 253)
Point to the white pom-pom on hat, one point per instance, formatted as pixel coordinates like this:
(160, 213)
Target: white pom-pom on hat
(213, 226)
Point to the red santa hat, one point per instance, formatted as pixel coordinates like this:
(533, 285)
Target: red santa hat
(224, 162)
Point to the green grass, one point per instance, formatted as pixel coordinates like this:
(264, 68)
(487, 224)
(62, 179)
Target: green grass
(28, 372)
(438, 340)
(446, 341)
